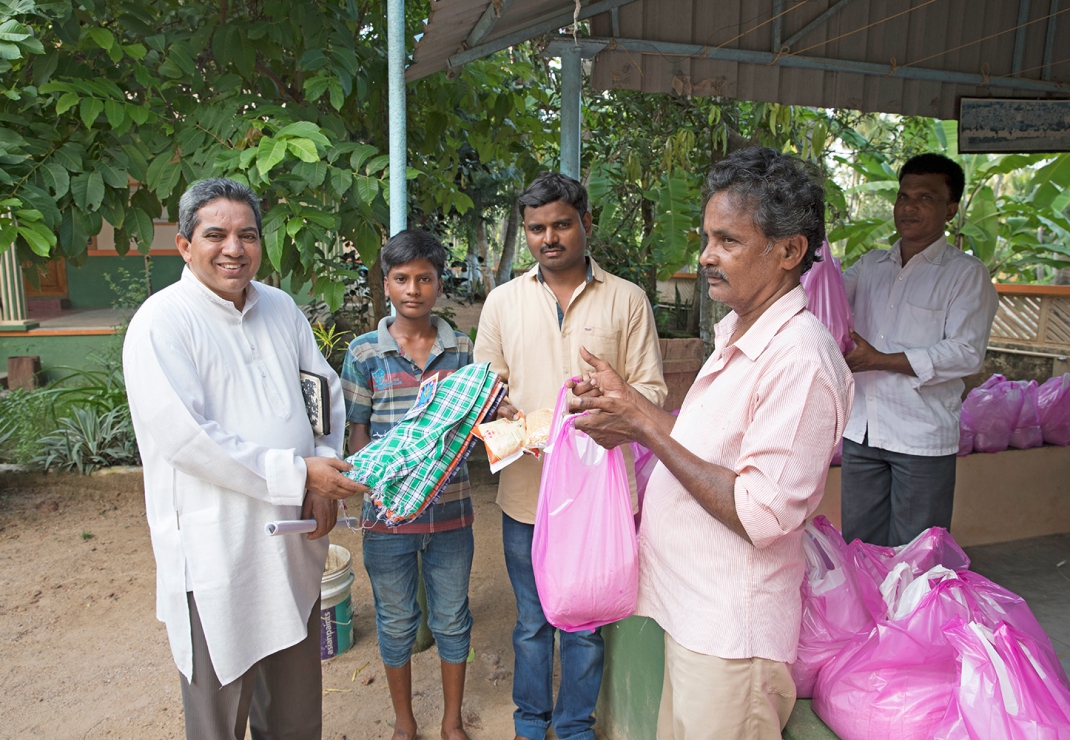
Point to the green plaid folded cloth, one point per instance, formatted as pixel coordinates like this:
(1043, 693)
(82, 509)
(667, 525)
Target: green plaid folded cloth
(409, 467)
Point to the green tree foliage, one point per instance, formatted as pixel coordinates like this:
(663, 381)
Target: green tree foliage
(647, 168)
(1013, 215)
(110, 109)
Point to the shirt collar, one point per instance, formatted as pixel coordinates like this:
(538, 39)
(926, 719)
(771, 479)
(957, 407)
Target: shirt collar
(757, 338)
(594, 272)
(447, 339)
(934, 253)
(192, 282)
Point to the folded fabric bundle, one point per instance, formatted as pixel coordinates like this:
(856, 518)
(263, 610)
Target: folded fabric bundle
(409, 467)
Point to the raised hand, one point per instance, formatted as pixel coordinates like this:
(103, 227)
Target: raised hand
(603, 380)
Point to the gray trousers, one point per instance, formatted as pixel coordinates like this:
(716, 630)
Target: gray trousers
(280, 697)
(889, 498)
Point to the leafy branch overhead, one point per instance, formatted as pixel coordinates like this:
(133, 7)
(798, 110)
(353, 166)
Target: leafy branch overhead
(109, 110)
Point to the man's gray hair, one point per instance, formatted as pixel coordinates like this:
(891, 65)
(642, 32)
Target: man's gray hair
(786, 196)
(203, 192)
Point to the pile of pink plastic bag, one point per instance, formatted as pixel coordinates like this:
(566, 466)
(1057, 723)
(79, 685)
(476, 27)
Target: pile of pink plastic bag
(1002, 413)
(907, 643)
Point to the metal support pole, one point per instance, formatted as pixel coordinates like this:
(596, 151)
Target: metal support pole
(571, 101)
(778, 24)
(1019, 37)
(395, 39)
(1049, 40)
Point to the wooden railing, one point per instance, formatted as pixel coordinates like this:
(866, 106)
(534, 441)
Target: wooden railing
(1037, 316)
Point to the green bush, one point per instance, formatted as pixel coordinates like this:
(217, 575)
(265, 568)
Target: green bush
(89, 439)
(25, 416)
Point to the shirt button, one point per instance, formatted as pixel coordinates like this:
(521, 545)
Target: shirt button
(881, 336)
(900, 277)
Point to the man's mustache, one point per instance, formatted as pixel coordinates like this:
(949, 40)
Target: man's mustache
(706, 272)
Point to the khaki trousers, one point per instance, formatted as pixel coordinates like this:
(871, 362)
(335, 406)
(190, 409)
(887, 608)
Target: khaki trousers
(708, 698)
(279, 698)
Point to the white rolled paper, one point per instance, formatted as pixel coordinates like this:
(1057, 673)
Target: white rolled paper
(304, 526)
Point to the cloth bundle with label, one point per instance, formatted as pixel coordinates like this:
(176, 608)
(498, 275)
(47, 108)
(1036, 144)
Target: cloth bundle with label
(409, 467)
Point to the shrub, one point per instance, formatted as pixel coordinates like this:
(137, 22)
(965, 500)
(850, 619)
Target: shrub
(88, 439)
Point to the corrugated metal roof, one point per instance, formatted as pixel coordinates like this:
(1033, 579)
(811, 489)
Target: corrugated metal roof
(914, 57)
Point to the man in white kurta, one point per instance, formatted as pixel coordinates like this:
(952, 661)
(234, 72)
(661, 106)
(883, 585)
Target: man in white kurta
(212, 369)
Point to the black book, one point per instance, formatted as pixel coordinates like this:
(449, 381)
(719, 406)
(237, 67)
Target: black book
(317, 393)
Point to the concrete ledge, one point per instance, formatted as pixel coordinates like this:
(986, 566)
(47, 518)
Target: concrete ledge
(1004, 496)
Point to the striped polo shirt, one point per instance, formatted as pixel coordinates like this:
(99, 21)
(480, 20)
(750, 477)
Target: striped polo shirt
(380, 384)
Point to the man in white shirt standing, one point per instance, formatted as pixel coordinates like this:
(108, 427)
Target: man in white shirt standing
(212, 369)
(923, 311)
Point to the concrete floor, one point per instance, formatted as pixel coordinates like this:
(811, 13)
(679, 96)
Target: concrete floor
(1038, 570)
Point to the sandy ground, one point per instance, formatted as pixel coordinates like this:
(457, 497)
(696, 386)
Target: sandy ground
(83, 654)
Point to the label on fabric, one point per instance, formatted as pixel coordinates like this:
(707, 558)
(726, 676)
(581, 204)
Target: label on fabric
(423, 398)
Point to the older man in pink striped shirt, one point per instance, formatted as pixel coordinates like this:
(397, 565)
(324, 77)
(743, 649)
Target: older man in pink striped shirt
(743, 465)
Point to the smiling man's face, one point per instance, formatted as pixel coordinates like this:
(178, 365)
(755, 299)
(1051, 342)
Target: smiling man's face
(922, 209)
(224, 252)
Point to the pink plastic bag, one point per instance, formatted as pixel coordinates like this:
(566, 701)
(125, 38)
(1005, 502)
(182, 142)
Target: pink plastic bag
(1054, 400)
(897, 681)
(833, 612)
(995, 407)
(872, 563)
(966, 433)
(1027, 432)
(584, 552)
(645, 461)
(1005, 688)
(894, 682)
(827, 297)
(837, 454)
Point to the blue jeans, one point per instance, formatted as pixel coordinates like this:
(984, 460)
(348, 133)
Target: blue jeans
(533, 643)
(391, 562)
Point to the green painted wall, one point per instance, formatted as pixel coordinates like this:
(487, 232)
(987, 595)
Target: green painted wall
(631, 680)
(69, 351)
(86, 287)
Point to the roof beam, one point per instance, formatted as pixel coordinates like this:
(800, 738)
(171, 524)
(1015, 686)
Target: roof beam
(1049, 42)
(825, 64)
(517, 37)
(815, 23)
(486, 22)
(778, 26)
(1019, 37)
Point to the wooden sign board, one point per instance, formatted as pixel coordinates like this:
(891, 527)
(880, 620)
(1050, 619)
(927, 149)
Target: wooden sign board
(1003, 125)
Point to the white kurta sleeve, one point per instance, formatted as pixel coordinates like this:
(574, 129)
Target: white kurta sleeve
(167, 396)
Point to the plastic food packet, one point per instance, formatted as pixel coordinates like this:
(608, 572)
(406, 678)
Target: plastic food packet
(504, 440)
(537, 429)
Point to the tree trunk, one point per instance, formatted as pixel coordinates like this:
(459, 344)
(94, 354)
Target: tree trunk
(1062, 277)
(481, 246)
(505, 264)
(378, 294)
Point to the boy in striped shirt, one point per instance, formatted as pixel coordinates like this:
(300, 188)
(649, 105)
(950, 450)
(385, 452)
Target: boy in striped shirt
(381, 379)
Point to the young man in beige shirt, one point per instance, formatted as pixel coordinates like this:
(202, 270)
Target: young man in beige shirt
(530, 331)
